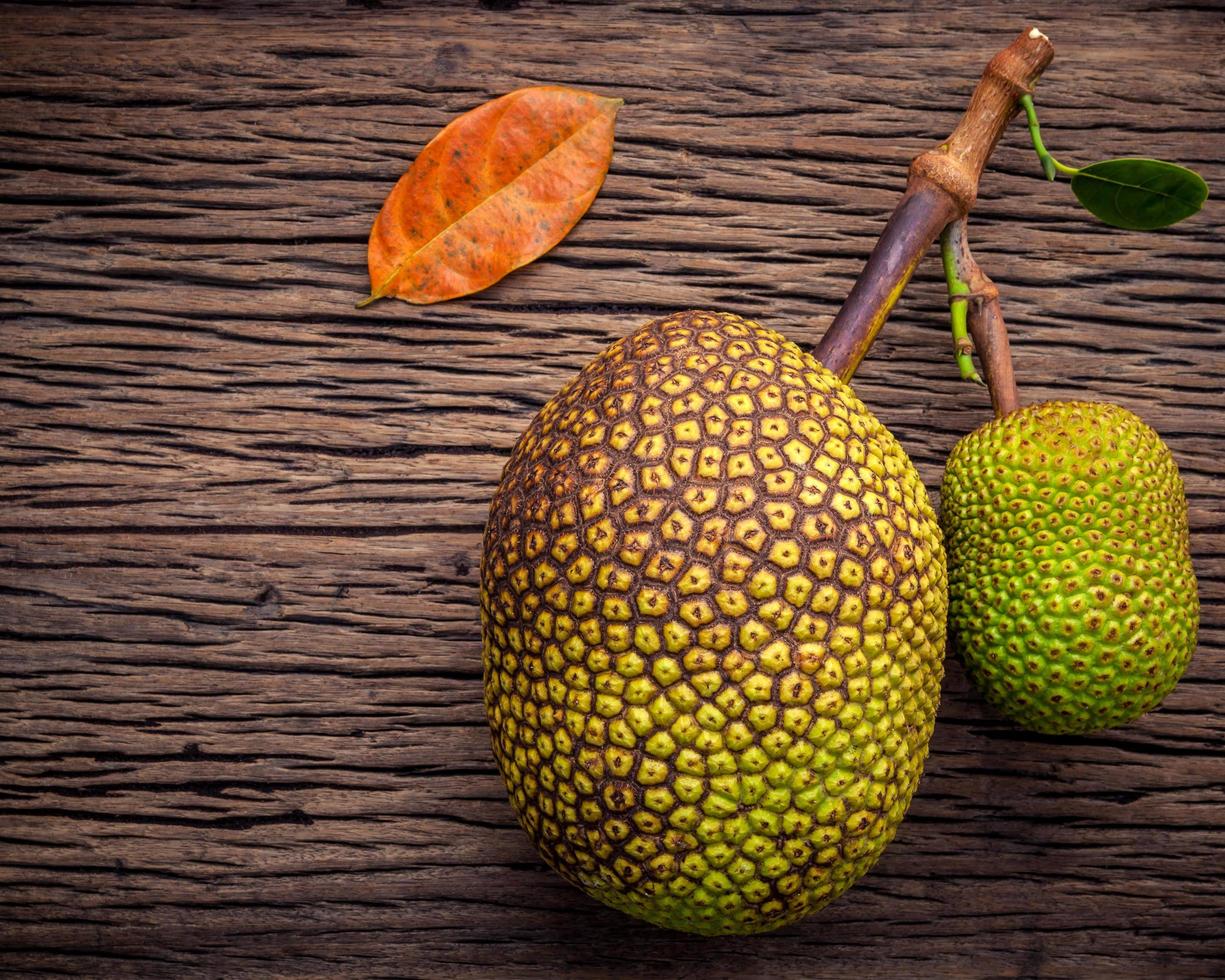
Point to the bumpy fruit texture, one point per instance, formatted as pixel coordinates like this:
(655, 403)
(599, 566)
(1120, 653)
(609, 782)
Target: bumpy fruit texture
(714, 598)
(1071, 593)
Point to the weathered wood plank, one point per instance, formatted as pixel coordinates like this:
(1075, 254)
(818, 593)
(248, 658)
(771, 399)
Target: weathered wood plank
(240, 521)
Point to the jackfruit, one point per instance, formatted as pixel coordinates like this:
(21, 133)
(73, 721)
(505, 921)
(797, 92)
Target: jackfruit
(713, 604)
(1072, 597)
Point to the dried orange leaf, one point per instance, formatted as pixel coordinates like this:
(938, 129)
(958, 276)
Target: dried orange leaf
(497, 188)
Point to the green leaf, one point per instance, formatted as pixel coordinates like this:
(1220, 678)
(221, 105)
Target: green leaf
(1140, 194)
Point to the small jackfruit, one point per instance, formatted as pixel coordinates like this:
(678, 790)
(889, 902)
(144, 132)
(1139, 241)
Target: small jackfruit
(713, 609)
(1072, 598)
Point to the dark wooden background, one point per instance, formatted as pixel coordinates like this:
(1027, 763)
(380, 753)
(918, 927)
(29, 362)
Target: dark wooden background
(240, 694)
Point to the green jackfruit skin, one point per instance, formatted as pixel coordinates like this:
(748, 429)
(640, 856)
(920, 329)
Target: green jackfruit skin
(1072, 599)
(713, 611)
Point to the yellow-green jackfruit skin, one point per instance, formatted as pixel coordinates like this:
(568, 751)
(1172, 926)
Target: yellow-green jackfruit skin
(714, 604)
(1072, 598)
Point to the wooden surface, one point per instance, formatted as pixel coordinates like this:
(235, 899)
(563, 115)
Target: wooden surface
(240, 699)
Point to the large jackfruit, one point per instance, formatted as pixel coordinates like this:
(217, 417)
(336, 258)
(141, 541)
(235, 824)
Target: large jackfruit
(713, 605)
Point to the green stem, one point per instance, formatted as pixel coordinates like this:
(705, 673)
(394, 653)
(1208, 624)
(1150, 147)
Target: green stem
(1049, 164)
(959, 301)
(983, 317)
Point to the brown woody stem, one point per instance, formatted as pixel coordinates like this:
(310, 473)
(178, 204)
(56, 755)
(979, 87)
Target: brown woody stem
(985, 321)
(942, 187)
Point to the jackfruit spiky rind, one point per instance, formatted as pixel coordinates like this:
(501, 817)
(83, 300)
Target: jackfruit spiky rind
(1072, 598)
(713, 608)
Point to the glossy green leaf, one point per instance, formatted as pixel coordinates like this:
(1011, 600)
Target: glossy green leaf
(1140, 194)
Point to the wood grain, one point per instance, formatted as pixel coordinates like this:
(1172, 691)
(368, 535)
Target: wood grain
(239, 520)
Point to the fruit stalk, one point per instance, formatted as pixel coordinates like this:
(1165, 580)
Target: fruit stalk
(985, 320)
(942, 187)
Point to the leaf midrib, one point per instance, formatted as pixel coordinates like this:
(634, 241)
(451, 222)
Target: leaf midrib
(1133, 187)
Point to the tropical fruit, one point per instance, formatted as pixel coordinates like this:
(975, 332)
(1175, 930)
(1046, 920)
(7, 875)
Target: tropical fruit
(713, 607)
(1071, 593)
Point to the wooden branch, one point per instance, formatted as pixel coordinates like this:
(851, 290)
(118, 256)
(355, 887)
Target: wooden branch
(943, 186)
